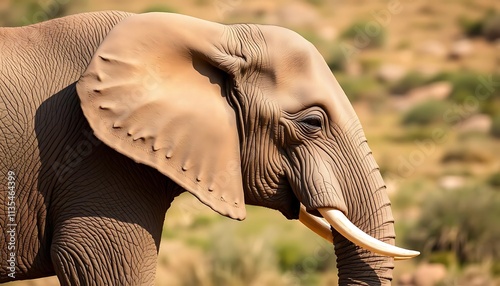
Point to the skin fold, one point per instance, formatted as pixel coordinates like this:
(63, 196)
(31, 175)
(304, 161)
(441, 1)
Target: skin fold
(107, 117)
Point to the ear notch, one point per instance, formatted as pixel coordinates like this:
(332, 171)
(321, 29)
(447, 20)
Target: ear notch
(151, 97)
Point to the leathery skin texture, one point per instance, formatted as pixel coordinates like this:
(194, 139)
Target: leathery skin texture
(106, 117)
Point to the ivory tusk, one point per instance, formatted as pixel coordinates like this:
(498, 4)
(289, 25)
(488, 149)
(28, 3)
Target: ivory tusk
(316, 224)
(345, 227)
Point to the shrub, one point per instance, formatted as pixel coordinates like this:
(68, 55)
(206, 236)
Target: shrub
(360, 87)
(303, 261)
(337, 60)
(491, 107)
(466, 155)
(426, 113)
(495, 126)
(369, 34)
(463, 222)
(494, 180)
(487, 26)
(491, 28)
(408, 82)
(32, 11)
(159, 8)
(312, 36)
(370, 64)
(234, 262)
(471, 28)
(464, 84)
(201, 221)
(412, 134)
(316, 2)
(290, 256)
(465, 87)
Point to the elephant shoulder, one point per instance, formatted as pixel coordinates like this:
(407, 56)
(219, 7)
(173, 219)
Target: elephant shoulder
(78, 36)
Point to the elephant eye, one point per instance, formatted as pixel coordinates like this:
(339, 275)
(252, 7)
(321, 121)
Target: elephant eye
(313, 121)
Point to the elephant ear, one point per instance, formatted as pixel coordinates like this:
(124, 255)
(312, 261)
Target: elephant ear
(149, 95)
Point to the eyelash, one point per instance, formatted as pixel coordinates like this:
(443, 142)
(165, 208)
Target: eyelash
(314, 121)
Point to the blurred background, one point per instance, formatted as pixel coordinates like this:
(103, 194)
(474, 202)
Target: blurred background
(424, 78)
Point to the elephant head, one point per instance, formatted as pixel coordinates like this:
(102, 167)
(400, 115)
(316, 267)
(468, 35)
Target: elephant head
(243, 114)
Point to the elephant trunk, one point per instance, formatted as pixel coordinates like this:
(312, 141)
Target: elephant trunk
(359, 266)
(361, 218)
(370, 210)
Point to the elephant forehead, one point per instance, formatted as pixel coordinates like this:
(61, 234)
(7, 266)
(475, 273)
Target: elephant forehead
(321, 91)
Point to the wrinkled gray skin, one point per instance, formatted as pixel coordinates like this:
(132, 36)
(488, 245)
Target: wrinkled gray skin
(91, 215)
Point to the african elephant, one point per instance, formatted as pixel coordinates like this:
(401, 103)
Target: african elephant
(107, 117)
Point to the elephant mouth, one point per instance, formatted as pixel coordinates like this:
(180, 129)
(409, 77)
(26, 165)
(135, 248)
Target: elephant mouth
(336, 219)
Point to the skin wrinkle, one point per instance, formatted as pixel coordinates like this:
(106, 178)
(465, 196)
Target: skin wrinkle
(359, 196)
(278, 150)
(269, 186)
(267, 181)
(319, 194)
(69, 257)
(304, 166)
(359, 177)
(335, 192)
(375, 226)
(374, 268)
(266, 185)
(373, 193)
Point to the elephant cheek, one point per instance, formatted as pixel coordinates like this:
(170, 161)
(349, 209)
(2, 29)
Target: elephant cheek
(320, 188)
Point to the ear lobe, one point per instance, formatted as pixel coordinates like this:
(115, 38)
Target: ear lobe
(150, 97)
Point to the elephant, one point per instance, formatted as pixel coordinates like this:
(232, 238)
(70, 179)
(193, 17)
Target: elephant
(106, 117)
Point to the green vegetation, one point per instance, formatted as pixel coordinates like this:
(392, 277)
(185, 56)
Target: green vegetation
(369, 65)
(235, 263)
(487, 26)
(471, 28)
(491, 28)
(462, 223)
(427, 113)
(316, 2)
(464, 84)
(412, 133)
(494, 180)
(495, 126)
(361, 87)
(159, 8)
(474, 92)
(28, 12)
(408, 82)
(409, 194)
(465, 154)
(336, 59)
(365, 34)
(457, 227)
